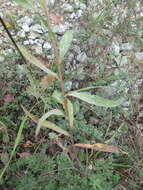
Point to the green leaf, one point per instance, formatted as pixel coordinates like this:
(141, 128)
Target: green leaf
(65, 43)
(95, 100)
(24, 3)
(58, 97)
(17, 140)
(46, 124)
(33, 60)
(70, 113)
(54, 127)
(45, 116)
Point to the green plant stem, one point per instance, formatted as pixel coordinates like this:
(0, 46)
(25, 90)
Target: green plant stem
(57, 60)
(11, 38)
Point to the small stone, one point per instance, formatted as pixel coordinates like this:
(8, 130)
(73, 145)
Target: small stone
(31, 42)
(116, 48)
(50, 2)
(2, 58)
(37, 28)
(21, 34)
(68, 85)
(26, 42)
(82, 6)
(82, 57)
(47, 46)
(59, 29)
(126, 46)
(27, 20)
(67, 8)
(32, 35)
(76, 49)
(38, 50)
(77, 4)
(25, 27)
(73, 15)
(7, 52)
(139, 55)
(20, 70)
(79, 13)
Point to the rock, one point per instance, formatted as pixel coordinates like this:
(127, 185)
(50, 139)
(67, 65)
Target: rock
(67, 8)
(70, 57)
(68, 85)
(21, 34)
(2, 58)
(77, 4)
(31, 42)
(126, 47)
(82, 57)
(139, 56)
(116, 48)
(79, 13)
(50, 2)
(76, 49)
(47, 45)
(37, 28)
(82, 6)
(26, 42)
(20, 70)
(25, 27)
(59, 29)
(27, 20)
(38, 49)
(32, 35)
(72, 16)
(7, 52)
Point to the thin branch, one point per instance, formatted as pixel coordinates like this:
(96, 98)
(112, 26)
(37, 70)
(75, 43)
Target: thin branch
(11, 38)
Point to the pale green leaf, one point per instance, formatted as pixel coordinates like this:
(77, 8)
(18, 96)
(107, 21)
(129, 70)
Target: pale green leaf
(54, 127)
(57, 95)
(94, 100)
(46, 124)
(24, 3)
(70, 113)
(45, 116)
(33, 60)
(65, 43)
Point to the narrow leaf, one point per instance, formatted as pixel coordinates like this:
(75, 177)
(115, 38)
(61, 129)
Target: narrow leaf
(94, 99)
(15, 145)
(33, 60)
(46, 124)
(58, 97)
(54, 127)
(24, 3)
(70, 113)
(101, 147)
(45, 116)
(65, 43)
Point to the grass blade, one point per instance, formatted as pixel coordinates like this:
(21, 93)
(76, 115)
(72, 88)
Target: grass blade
(15, 145)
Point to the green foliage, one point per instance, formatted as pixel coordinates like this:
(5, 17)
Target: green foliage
(95, 118)
(65, 43)
(41, 172)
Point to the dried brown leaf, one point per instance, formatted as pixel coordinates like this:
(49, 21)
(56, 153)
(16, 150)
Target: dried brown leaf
(101, 147)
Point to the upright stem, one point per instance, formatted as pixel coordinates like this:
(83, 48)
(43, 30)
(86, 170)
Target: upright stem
(57, 59)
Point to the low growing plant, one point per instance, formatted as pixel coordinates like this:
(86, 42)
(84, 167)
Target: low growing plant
(65, 100)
